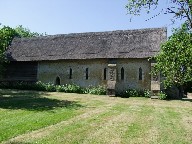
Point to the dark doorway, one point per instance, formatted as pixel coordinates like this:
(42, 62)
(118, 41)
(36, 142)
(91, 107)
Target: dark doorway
(57, 81)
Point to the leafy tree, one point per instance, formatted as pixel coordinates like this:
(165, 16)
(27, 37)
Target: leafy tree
(6, 36)
(179, 8)
(25, 32)
(175, 59)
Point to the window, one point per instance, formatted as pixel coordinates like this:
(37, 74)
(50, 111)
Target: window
(86, 73)
(140, 73)
(105, 74)
(122, 73)
(70, 73)
(57, 81)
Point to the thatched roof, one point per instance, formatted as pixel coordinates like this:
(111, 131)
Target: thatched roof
(141, 43)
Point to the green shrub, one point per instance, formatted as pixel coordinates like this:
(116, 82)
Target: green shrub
(135, 93)
(68, 88)
(50, 87)
(162, 95)
(98, 90)
(72, 88)
(40, 86)
(60, 88)
(132, 93)
(147, 93)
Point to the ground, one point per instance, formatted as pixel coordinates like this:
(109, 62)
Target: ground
(36, 117)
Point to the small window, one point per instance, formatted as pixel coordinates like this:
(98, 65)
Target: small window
(122, 73)
(105, 74)
(140, 73)
(57, 81)
(70, 73)
(87, 73)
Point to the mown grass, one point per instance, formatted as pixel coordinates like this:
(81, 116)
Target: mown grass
(35, 117)
(24, 111)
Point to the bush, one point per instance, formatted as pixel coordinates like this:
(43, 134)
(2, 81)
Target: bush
(147, 93)
(162, 95)
(135, 93)
(68, 88)
(60, 88)
(50, 87)
(39, 86)
(72, 88)
(98, 90)
(131, 93)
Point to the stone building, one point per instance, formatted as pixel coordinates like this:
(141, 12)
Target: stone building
(116, 59)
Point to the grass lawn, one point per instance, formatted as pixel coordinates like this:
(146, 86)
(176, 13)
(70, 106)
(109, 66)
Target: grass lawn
(28, 117)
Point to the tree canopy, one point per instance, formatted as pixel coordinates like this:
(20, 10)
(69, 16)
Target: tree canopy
(25, 32)
(6, 36)
(179, 8)
(175, 58)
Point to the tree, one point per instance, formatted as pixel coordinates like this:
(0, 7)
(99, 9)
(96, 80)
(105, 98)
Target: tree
(175, 59)
(179, 8)
(6, 36)
(25, 32)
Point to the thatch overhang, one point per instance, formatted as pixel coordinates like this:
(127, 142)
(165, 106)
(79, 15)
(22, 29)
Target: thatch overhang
(141, 43)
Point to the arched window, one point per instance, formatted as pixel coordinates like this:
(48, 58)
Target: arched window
(70, 73)
(122, 73)
(87, 73)
(57, 81)
(105, 74)
(140, 73)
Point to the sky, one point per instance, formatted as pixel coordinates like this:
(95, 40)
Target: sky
(77, 16)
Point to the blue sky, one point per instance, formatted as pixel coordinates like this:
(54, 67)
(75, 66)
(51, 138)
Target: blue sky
(76, 16)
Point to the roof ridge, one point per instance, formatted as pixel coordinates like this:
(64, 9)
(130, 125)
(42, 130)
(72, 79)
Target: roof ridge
(95, 33)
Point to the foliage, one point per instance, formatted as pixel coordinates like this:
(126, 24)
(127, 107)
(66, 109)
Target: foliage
(25, 32)
(68, 88)
(132, 93)
(6, 36)
(162, 95)
(72, 88)
(136, 93)
(98, 90)
(39, 86)
(179, 8)
(147, 93)
(174, 60)
(50, 87)
(60, 88)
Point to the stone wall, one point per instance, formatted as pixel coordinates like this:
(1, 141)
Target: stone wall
(131, 74)
(49, 70)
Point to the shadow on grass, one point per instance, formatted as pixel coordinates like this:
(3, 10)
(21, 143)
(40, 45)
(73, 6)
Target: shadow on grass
(186, 99)
(183, 99)
(32, 100)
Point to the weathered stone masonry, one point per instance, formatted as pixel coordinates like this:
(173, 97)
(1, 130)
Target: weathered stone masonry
(49, 71)
(116, 59)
